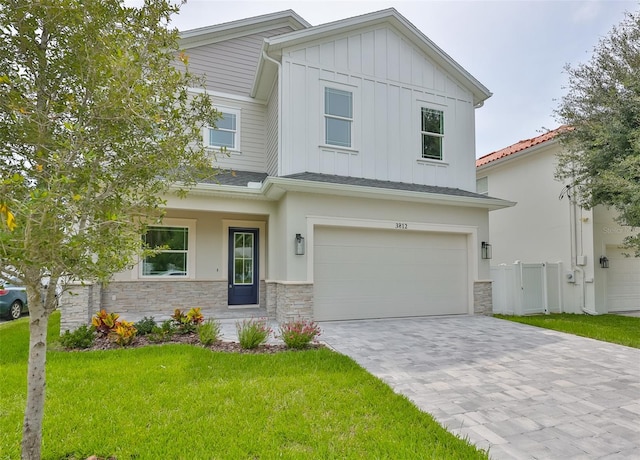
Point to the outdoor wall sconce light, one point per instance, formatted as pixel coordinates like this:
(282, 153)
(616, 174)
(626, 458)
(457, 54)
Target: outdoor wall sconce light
(604, 262)
(299, 244)
(486, 250)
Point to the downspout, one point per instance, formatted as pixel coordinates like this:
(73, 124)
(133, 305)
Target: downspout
(574, 255)
(279, 66)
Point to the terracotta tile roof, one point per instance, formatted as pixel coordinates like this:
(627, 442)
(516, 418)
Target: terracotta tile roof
(519, 146)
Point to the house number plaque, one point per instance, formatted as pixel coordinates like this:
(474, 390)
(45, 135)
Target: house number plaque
(401, 226)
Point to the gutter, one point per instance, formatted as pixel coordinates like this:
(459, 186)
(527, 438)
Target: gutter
(273, 188)
(273, 185)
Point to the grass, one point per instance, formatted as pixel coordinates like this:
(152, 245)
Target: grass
(623, 330)
(186, 402)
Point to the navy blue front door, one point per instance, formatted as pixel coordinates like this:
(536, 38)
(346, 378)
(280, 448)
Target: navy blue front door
(243, 266)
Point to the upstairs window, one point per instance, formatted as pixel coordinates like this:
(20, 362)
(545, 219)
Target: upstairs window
(338, 115)
(432, 133)
(482, 185)
(226, 133)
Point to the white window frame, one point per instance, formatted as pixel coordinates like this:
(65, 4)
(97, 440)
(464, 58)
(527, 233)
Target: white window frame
(355, 118)
(482, 185)
(190, 226)
(236, 134)
(434, 108)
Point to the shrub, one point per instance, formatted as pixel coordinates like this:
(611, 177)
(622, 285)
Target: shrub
(195, 316)
(83, 337)
(188, 322)
(108, 325)
(123, 333)
(299, 333)
(209, 332)
(162, 333)
(104, 322)
(252, 332)
(145, 325)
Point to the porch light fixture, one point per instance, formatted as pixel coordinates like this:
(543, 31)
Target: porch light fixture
(299, 244)
(604, 262)
(485, 250)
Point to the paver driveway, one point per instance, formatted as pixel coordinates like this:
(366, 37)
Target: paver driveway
(520, 391)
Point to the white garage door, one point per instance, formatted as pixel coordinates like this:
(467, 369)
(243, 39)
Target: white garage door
(364, 273)
(623, 281)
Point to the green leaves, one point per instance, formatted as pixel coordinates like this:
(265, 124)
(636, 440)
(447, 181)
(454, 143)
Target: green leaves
(602, 106)
(96, 123)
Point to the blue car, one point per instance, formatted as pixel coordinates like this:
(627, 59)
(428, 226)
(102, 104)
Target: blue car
(13, 301)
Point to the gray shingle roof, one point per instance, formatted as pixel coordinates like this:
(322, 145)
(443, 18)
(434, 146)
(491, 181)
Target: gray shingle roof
(357, 181)
(237, 178)
(242, 178)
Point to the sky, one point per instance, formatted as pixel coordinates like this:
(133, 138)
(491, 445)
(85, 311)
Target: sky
(518, 49)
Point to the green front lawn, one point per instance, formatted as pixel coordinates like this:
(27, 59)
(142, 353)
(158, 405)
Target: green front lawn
(623, 330)
(186, 402)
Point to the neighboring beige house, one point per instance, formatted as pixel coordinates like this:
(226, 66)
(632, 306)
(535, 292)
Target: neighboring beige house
(546, 226)
(352, 146)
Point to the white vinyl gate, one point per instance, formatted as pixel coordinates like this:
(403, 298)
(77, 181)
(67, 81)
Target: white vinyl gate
(527, 289)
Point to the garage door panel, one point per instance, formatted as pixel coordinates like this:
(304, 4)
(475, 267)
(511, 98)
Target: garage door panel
(364, 273)
(623, 281)
(352, 272)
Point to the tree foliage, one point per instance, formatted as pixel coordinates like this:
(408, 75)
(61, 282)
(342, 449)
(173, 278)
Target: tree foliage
(96, 123)
(602, 109)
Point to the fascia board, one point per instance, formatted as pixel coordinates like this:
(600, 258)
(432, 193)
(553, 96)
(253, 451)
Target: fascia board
(213, 34)
(231, 191)
(390, 16)
(276, 186)
(273, 188)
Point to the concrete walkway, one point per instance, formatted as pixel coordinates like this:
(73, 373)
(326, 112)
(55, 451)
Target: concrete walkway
(520, 391)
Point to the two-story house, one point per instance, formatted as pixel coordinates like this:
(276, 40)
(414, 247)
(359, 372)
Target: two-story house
(350, 183)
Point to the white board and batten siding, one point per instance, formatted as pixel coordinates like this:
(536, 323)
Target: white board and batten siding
(371, 273)
(391, 79)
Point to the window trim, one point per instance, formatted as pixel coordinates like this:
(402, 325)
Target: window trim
(420, 104)
(482, 185)
(330, 116)
(190, 225)
(433, 108)
(355, 118)
(236, 134)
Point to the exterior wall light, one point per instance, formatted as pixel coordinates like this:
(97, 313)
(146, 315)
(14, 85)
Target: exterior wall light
(299, 244)
(485, 250)
(604, 262)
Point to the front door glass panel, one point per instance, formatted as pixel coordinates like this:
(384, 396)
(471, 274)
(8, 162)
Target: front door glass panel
(243, 260)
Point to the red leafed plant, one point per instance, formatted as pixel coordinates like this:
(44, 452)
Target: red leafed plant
(299, 333)
(105, 322)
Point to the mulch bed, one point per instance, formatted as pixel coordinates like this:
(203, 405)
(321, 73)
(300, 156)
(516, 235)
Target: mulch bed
(103, 343)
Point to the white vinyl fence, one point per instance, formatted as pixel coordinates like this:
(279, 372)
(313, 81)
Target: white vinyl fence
(527, 289)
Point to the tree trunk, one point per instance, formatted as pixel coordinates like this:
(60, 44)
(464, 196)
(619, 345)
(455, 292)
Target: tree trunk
(34, 412)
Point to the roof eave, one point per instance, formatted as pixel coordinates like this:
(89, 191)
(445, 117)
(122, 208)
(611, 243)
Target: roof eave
(212, 34)
(265, 73)
(517, 155)
(273, 188)
(277, 186)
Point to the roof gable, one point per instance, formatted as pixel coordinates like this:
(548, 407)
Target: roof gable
(389, 17)
(212, 34)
